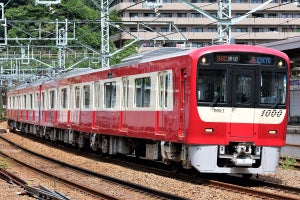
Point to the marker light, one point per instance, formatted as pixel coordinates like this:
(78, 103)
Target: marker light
(280, 64)
(272, 132)
(203, 60)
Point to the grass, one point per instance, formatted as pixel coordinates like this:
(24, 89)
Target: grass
(287, 163)
(4, 163)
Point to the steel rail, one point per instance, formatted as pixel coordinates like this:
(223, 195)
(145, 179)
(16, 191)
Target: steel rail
(134, 186)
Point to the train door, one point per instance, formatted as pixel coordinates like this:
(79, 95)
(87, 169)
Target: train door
(37, 107)
(164, 85)
(44, 107)
(75, 104)
(18, 106)
(243, 101)
(124, 103)
(182, 104)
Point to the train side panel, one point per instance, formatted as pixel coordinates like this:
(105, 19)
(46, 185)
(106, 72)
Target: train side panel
(154, 109)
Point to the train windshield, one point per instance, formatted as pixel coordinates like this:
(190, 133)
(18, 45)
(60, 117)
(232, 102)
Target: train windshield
(212, 86)
(235, 80)
(273, 88)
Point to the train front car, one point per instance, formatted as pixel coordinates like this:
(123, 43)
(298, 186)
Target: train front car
(240, 118)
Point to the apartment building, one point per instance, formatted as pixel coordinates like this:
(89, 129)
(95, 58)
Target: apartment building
(176, 23)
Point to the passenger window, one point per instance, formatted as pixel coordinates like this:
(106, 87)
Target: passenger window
(64, 98)
(110, 94)
(24, 101)
(86, 96)
(30, 101)
(18, 101)
(77, 97)
(43, 105)
(13, 103)
(125, 92)
(142, 92)
(97, 95)
(163, 89)
(37, 100)
(52, 99)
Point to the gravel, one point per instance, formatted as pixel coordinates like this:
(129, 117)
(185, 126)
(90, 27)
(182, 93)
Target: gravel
(181, 188)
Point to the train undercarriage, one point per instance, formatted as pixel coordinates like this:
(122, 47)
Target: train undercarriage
(237, 157)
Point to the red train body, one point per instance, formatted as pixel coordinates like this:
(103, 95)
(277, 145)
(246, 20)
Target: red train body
(211, 108)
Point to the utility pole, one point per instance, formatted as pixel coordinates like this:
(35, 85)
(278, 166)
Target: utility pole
(105, 55)
(104, 7)
(3, 27)
(224, 22)
(61, 44)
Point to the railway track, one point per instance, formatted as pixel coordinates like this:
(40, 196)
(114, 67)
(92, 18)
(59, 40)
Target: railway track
(260, 192)
(14, 153)
(40, 192)
(83, 179)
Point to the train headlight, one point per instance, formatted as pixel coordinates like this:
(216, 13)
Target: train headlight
(273, 132)
(209, 130)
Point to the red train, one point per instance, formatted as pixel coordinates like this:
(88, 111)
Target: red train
(219, 109)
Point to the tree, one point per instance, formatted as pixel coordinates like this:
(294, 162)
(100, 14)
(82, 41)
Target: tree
(128, 51)
(87, 33)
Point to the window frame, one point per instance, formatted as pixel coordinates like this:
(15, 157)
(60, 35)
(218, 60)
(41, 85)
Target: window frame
(164, 89)
(90, 98)
(52, 98)
(31, 101)
(112, 94)
(97, 94)
(37, 100)
(44, 100)
(140, 98)
(64, 101)
(24, 101)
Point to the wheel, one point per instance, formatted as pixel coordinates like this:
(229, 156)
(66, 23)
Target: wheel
(175, 167)
(246, 176)
(195, 173)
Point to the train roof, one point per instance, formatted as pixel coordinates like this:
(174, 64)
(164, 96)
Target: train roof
(75, 72)
(148, 56)
(62, 75)
(161, 53)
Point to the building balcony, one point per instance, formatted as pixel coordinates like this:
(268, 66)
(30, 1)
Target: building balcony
(282, 22)
(266, 36)
(235, 7)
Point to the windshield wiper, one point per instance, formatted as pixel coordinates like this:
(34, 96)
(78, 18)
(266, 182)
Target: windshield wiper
(212, 104)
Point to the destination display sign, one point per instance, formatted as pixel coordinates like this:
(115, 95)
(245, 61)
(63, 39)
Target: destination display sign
(244, 58)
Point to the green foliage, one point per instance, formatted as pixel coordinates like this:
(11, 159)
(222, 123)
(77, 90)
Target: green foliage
(115, 19)
(75, 9)
(287, 163)
(88, 32)
(70, 9)
(130, 50)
